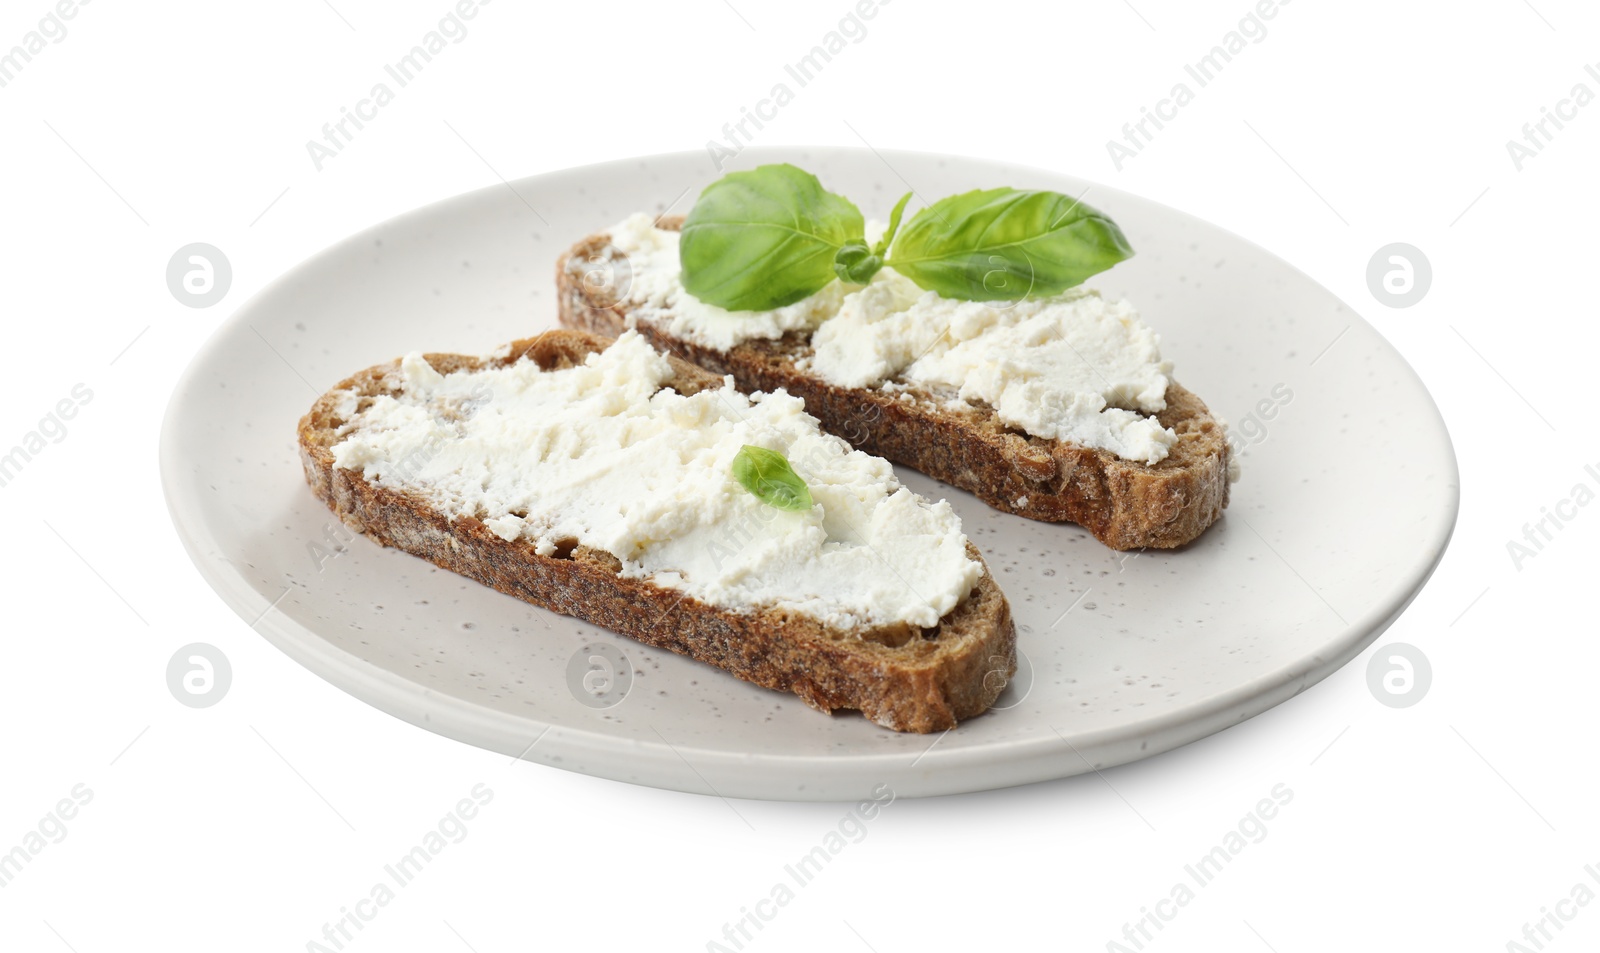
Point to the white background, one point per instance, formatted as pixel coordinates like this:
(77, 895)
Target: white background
(248, 825)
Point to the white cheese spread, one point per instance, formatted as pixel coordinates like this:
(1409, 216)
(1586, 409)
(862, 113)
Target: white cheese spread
(657, 292)
(1071, 367)
(602, 455)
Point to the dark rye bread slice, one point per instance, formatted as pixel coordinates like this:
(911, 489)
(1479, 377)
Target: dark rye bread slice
(1125, 504)
(903, 678)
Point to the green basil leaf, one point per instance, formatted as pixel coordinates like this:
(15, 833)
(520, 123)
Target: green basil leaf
(882, 248)
(765, 238)
(1006, 244)
(767, 474)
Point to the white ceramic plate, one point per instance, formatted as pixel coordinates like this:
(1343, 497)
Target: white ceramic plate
(1347, 502)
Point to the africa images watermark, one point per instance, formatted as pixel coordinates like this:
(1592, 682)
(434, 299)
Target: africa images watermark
(852, 29)
(51, 829)
(1553, 519)
(199, 675)
(1537, 935)
(335, 542)
(1254, 428)
(1539, 133)
(400, 873)
(1137, 134)
(51, 29)
(1251, 829)
(337, 134)
(851, 829)
(51, 429)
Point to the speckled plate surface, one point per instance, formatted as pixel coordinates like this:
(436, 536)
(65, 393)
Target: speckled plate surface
(1347, 502)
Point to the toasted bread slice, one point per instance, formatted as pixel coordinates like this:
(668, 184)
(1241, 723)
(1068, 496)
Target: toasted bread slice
(1125, 504)
(900, 677)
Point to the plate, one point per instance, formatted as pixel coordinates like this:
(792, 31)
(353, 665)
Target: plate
(1348, 497)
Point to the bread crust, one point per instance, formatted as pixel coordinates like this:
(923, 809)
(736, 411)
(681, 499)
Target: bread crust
(1125, 504)
(904, 679)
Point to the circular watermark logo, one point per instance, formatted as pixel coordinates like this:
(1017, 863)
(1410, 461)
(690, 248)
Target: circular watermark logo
(198, 675)
(1006, 282)
(605, 279)
(599, 675)
(1399, 675)
(1017, 688)
(858, 427)
(1399, 275)
(199, 275)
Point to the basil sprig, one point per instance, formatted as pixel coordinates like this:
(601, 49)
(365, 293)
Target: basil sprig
(767, 474)
(773, 235)
(856, 263)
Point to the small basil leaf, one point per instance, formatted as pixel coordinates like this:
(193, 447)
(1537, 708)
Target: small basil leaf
(856, 263)
(1005, 244)
(882, 248)
(764, 238)
(767, 474)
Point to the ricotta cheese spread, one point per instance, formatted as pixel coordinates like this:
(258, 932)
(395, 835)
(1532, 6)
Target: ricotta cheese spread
(602, 455)
(1072, 367)
(657, 292)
